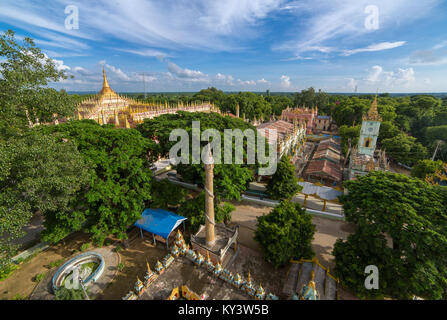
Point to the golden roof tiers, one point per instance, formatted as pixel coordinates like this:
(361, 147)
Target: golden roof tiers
(373, 114)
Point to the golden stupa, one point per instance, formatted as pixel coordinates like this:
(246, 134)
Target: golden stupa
(108, 107)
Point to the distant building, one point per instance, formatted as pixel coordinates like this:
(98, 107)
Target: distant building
(306, 115)
(365, 158)
(323, 123)
(290, 140)
(314, 122)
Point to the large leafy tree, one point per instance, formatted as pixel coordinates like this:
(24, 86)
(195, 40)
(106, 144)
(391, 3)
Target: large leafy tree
(401, 228)
(230, 180)
(25, 98)
(283, 183)
(349, 134)
(350, 111)
(40, 173)
(404, 149)
(285, 233)
(120, 183)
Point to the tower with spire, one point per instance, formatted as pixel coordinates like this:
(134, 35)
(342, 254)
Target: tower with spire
(370, 131)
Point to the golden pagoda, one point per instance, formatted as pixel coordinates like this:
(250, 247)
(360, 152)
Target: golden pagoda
(110, 107)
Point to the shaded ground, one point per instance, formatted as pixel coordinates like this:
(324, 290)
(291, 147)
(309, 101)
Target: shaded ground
(22, 282)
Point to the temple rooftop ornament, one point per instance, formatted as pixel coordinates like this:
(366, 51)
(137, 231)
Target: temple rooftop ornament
(159, 267)
(373, 114)
(309, 291)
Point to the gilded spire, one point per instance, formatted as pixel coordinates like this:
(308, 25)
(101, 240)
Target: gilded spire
(373, 114)
(106, 90)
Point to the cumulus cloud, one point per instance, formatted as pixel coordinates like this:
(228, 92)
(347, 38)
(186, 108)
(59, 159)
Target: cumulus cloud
(285, 82)
(224, 79)
(185, 73)
(391, 78)
(115, 71)
(351, 83)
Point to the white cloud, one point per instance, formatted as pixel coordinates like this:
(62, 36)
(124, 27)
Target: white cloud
(185, 73)
(224, 79)
(213, 25)
(146, 53)
(285, 82)
(374, 47)
(246, 82)
(116, 71)
(323, 24)
(374, 74)
(351, 83)
(262, 81)
(81, 71)
(401, 77)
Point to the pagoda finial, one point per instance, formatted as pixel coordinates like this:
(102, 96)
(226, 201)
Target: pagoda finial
(373, 114)
(148, 267)
(249, 277)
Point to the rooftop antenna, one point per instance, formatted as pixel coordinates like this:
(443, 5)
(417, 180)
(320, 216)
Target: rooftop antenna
(144, 84)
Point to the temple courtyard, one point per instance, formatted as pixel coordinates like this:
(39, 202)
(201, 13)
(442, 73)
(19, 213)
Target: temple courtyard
(23, 282)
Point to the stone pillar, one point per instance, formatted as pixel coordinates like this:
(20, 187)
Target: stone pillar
(209, 201)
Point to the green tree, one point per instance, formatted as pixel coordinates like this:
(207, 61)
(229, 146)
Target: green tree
(283, 183)
(166, 194)
(230, 180)
(349, 134)
(350, 111)
(120, 183)
(194, 210)
(24, 96)
(401, 228)
(285, 233)
(40, 173)
(426, 167)
(404, 149)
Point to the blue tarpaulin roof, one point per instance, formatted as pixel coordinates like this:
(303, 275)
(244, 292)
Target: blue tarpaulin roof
(159, 222)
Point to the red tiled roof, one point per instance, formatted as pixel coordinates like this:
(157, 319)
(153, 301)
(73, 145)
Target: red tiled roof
(282, 128)
(324, 168)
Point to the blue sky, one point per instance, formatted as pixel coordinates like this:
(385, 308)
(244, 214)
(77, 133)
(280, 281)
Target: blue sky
(241, 45)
